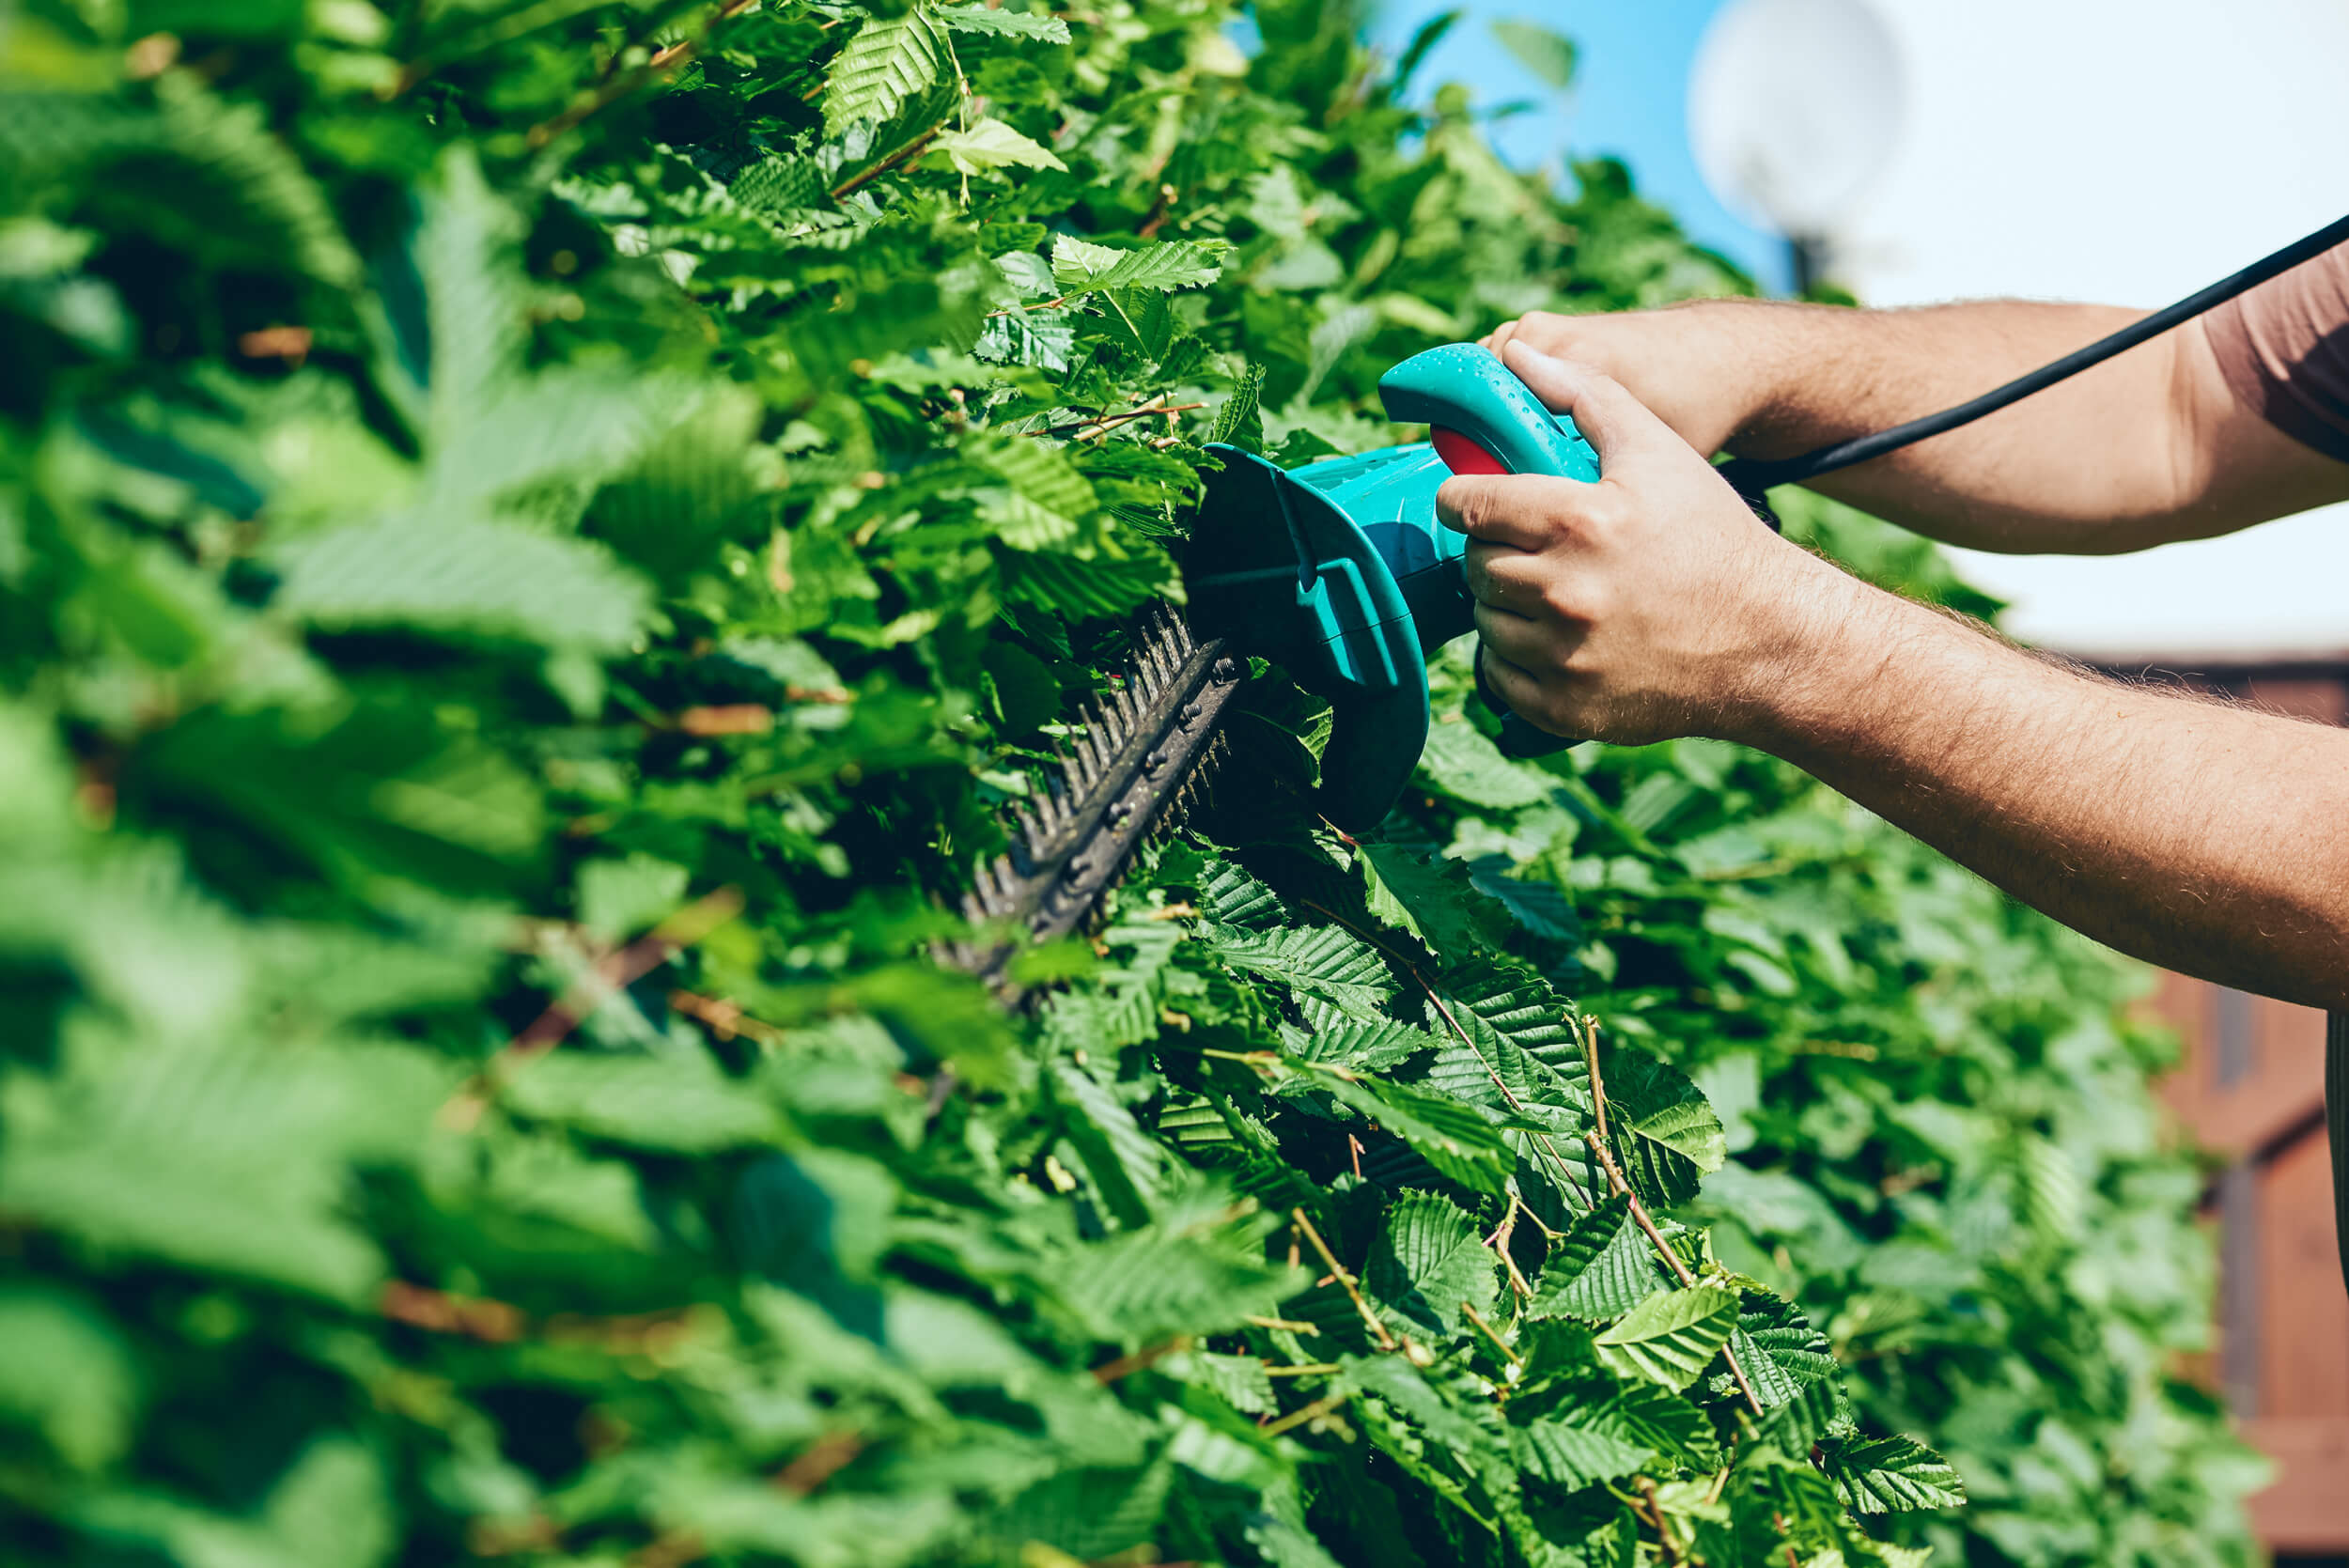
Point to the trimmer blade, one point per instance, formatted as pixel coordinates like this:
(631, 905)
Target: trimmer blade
(1130, 770)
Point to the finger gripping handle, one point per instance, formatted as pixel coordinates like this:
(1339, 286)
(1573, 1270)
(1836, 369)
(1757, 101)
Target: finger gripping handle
(1464, 388)
(1484, 420)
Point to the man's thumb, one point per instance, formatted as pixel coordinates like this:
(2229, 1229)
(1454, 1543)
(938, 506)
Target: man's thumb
(1609, 418)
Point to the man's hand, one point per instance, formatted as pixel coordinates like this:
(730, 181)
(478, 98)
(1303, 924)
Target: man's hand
(1647, 605)
(1707, 370)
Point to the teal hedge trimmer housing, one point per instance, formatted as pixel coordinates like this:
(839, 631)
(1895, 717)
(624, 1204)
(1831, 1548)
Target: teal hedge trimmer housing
(1339, 571)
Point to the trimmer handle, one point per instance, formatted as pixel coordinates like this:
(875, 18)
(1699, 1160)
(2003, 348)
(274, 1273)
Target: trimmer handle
(1484, 420)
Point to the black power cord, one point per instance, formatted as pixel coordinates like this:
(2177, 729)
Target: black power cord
(1751, 476)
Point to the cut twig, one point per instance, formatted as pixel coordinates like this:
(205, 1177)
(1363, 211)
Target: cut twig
(1345, 1281)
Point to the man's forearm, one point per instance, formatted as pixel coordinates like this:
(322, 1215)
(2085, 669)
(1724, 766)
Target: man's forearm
(2091, 465)
(2145, 448)
(2207, 838)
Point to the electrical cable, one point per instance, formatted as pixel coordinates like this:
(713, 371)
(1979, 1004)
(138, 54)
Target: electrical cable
(1751, 476)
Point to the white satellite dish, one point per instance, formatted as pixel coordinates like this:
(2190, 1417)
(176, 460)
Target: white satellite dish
(1794, 107)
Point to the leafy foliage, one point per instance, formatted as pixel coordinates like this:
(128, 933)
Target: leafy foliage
(534, 541)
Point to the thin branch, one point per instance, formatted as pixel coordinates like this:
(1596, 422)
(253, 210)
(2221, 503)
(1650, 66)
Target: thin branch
(724, 1018)
(1503, 1234)
(902, 156)
(1022, 310)
(1493, 1334)
(616, 971)
(1680, 1270)
(1663, 1526)
(1377, 1329)
(617, 88)
(1314, 1411)
(1110, 422)
(1598, 1084)
(1311, 1369)
(818, 1464)
(1109, 1372)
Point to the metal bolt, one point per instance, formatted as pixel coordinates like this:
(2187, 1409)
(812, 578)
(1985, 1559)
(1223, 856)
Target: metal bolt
(1225, 669)
(1154, 761)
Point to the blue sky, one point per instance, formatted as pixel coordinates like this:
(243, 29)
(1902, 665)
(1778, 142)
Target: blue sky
(1628, 100)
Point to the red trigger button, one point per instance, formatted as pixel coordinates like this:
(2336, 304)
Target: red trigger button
(1461, 455)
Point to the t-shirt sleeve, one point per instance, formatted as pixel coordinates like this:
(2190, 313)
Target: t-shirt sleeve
(2284, 351)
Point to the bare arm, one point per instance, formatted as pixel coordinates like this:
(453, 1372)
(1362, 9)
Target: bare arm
(2149, 448)
(2211, 839)
(2204, 837)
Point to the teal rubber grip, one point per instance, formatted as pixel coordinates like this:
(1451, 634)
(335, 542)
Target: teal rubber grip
(1465, 387)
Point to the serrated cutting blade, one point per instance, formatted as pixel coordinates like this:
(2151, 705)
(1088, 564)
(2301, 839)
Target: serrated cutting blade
(1129, 768)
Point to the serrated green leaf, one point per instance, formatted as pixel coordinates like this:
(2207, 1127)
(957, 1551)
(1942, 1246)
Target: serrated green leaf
(1461, 763)
(1147, 1284)
(1240, 421)
(1430, 1265)
(681, 1103)
(1004, 24)
(1782, 1352)
(66, 1373)
(993, 145)
(486, 579)
(1891, 1475)
(1794, 1424)
(1454, 1414)
(785, 183)
(1324, 960)
(1601, 1268)
(1121, 1157)
(890, 60)
(1078, 266)
(1376, 1046)
(1664, 1132)
(1450, 1136)
(1437, 900)
(1539, 50)
(1669, 1338)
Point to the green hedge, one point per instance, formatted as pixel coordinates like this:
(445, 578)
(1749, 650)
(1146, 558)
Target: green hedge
(536, 540)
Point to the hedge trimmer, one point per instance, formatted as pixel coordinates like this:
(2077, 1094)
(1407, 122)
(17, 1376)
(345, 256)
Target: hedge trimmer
(1339, 571)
